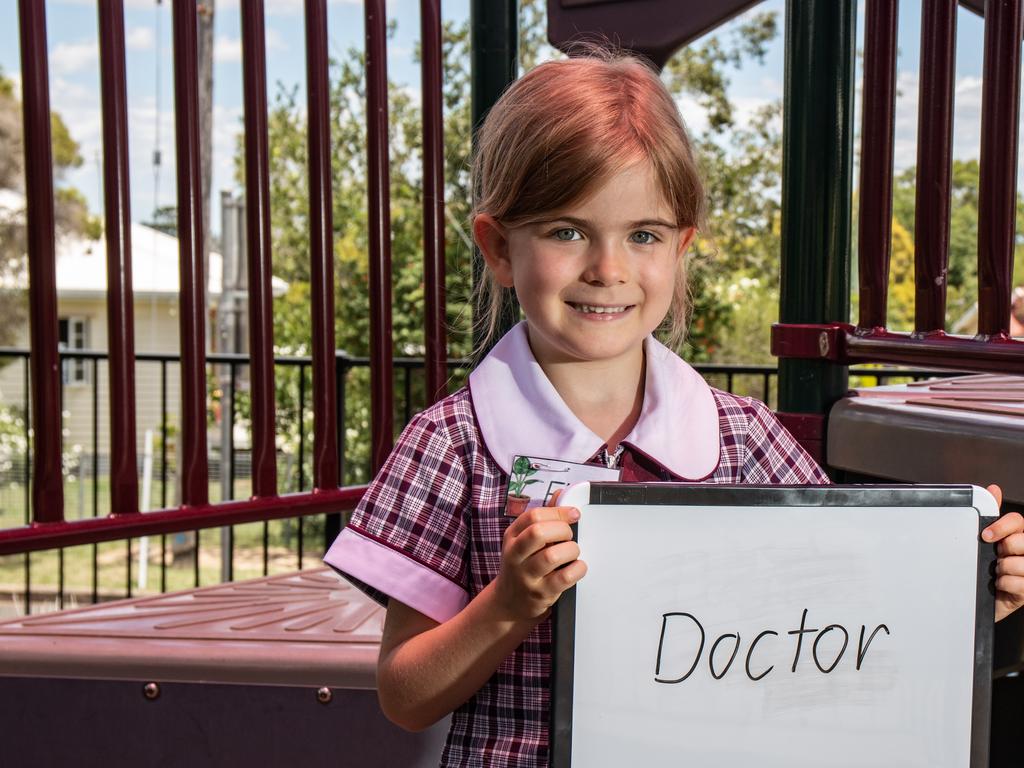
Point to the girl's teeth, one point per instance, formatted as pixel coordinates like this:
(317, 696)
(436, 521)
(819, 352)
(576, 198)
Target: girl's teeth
(586, 309)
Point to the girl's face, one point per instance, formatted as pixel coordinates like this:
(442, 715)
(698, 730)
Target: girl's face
(595, 279)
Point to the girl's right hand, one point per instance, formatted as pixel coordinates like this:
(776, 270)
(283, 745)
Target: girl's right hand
(539, 561)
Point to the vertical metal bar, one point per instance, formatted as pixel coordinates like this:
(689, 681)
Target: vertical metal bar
(192, 462)
(302, 426)
(128, 568)
(997, 193)
(494, 45)
(433, 201)
(47, 479)
(195, 560)
(817, 158)
(60, 578)
(381, 368)
(321, 244)
(124, 481)
(27, 478)
(299, 521)
(233, 384)
(163, 470)
(728, 382)
(257, 219)
(766, 389)
(266, 548)
(934, 164)
(876, 160)
(96, 436)
(407, 393)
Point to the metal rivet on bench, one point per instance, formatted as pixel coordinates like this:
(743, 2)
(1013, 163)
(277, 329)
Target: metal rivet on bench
(151, 690)
(324, 695)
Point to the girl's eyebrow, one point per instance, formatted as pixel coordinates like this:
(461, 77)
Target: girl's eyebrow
(584, 224)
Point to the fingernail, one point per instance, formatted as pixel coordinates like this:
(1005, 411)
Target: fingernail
(574, 515)
(987, 535)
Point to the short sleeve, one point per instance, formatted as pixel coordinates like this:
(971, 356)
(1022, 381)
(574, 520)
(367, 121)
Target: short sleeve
(773, 456)
(408, 537)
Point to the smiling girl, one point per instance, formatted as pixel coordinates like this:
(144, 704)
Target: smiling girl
(588, 197)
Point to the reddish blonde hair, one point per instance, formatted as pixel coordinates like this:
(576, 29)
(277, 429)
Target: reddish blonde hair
(564, 128)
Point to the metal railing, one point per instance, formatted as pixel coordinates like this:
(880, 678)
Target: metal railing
(283, 544)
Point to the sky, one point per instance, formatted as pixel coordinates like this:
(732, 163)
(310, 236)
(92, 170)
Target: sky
(74, 79)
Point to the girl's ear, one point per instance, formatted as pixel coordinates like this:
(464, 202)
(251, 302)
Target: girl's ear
(686, 238)
(492, 240)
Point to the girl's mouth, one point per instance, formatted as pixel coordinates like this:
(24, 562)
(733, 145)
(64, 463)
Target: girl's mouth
(597, 309)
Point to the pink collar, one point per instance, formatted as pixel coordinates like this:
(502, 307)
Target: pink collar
(521, 413)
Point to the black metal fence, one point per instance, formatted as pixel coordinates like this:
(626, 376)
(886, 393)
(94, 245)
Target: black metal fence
(94, 572)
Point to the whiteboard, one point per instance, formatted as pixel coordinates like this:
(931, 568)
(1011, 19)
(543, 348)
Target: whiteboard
(740, 625)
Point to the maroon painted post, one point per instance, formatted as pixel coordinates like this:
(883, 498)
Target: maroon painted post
(47, 481)
(433, 202)
(124, 478)
(257, 221)
(877, 127)
(192, 447)
(381, 357)
(934, 160)
(321, 247)
(997, 194)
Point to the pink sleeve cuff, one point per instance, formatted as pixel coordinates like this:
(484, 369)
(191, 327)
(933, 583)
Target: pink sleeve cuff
(396, 575)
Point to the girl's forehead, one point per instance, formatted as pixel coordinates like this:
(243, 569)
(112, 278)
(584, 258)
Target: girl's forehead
(632, 193)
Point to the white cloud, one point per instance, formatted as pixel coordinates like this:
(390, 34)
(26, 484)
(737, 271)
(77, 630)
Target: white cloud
(139, 39)
(229, 49)
(71, 58)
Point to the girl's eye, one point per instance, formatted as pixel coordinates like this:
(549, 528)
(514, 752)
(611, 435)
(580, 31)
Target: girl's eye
(644, 238)
(566, 234)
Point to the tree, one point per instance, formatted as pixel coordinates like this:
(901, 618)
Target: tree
(70, 209)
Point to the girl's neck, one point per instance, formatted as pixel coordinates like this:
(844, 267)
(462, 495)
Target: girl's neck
(606, 396)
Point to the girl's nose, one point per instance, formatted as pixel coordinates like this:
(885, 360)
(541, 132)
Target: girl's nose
(607, 265)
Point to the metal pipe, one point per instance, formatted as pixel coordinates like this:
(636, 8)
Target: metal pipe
(47, 478)
(124, 480)
(381, 369)
(257, 217)
(192, 463)
(876, 160)
(321, 246)
(997, 189)
(934, 160)
(433, 201)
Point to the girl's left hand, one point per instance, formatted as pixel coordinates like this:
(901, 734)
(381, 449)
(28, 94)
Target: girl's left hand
(1008, 531)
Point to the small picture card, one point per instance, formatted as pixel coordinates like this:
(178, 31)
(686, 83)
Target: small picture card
(534, 480)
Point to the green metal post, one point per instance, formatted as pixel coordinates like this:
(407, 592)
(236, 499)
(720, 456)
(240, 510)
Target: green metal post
(494, 31)
(817, 170)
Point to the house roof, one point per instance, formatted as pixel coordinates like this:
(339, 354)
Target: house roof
(82, 263)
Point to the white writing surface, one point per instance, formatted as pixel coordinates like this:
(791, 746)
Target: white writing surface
(775, 636)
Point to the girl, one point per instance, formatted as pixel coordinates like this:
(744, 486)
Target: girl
(588, 198)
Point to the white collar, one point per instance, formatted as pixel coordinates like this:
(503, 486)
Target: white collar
(521, 413)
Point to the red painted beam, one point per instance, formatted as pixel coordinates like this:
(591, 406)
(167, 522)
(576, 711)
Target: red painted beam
(433, 202)
(257, 219)
(47, 480)
(321, 247)
(934, 161)
(997, 193)
(192, 445)
(381, 353)
(42, 536)
(124, 479)
(877, 128)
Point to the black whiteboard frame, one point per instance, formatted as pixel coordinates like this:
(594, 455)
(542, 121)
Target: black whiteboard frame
(563, 622)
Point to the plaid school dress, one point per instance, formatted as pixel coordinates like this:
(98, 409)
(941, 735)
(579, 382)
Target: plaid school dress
(428, 531)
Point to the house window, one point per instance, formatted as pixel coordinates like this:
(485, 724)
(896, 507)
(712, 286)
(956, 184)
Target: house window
(74, 334)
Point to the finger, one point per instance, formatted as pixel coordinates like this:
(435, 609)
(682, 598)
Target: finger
(1011, 587)
(1005, 526)
(996, 491)
(536, 538)
(551, 558)
(1011, 545)
(563, 578)
(541, 515)
(1010, 566)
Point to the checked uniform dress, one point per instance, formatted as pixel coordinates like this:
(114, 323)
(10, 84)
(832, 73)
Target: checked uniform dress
(428, 530)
